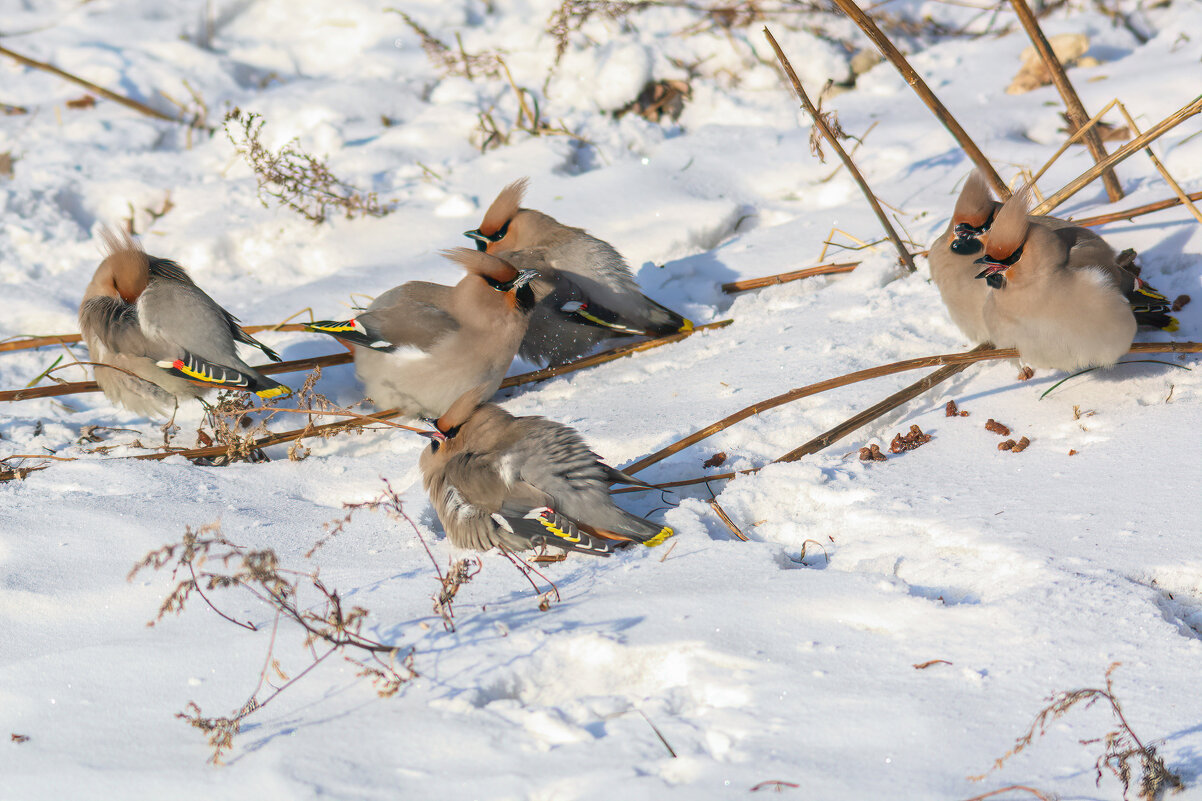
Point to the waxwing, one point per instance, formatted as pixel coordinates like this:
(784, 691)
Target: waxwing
(524, 482)
(953, 263)
(419, 346)
(1056, 315)
(595, 297)
(169, 340)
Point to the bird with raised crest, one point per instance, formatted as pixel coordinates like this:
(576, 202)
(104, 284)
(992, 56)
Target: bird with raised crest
(165, 338)
(519, 483)
(1058, 312)
(953, 263)
(421, 345)
(595, 295)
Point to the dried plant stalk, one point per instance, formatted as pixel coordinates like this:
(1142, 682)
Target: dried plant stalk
(141, 108)
(865, 417)
(784, 278)
(1072, 103)
(295, 179)
(822, 124)
(1117, 216)
(1152, 134)
(968, 357)
(1160, 168)
(889, 51)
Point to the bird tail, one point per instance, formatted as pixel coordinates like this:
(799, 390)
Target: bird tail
(545, 526)
(247, 339)
(191, 367)
(352, 332)
(665, 321)
(1151, 308)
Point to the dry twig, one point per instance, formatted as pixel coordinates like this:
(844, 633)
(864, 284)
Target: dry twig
(822, 123)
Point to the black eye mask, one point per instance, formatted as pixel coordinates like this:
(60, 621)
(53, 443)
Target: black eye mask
(482, 240)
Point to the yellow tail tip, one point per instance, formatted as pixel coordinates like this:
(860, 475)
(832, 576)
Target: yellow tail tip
(688, 326)
(658, 539)
(275, 392)
(1172, 326)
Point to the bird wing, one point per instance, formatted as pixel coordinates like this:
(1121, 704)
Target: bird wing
(114, 324)
(414, 314)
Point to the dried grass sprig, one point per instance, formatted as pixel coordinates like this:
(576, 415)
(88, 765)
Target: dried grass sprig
(295, 179)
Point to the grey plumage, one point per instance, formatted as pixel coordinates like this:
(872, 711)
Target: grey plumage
(144, 315)
(521, 482)
(419, 346)
(595, 295)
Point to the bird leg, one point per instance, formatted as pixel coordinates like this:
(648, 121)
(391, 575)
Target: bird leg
(170, 429)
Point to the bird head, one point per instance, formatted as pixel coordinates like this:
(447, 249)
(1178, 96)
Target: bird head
(125, 272)
(521, 288)
(499, 217)
(973, 215)
(1005, 240)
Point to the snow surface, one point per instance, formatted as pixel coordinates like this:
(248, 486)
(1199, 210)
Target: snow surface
(1029, 573)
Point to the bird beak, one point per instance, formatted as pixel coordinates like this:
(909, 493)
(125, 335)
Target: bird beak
(482, 241)
(524, 277)
(991, 267)
(435, 436)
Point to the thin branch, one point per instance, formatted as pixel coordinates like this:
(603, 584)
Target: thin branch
(1072, 103)
(783, 278)
(1117, 216)
(821, 123)
(863, 375)
(924, 92)
(1160, 168)
(1011, 788)
(1155, 132)
(873, 412)
(100, 90)
(196, 585)
(24, 343)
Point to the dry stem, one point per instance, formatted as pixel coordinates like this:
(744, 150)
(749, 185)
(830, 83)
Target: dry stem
(1072, 103)
(1154, 133)
(916, 82)
(823, 125)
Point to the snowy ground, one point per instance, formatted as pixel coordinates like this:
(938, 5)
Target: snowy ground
(1027, 573)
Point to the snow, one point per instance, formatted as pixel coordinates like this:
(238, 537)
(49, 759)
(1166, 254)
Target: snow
(1029, 573)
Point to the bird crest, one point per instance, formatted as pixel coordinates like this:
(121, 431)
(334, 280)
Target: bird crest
(482, 264)
(504, 207)
(975, 204)
(1009, 229)
(462, 409)
(126, 263)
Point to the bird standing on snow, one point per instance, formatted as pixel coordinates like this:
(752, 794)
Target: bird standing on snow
(523, 482)
(419, 346)
(145, 316)
(1057, 313)
(954, 268)
(595, 297)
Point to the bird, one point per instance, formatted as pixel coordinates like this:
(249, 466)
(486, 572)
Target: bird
(595, 296)
(1058, 314)
(518, 483)
(421, 345)
(953, 263)
(164, 339)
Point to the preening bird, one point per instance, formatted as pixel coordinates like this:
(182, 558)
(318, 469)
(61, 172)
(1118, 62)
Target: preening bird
(1057, 314)
(524, 482)
(144, 315)
(419, 346)
(954, 269)
(595, 296)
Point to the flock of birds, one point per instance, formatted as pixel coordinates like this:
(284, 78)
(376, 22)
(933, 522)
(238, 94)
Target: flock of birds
(534, 286)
